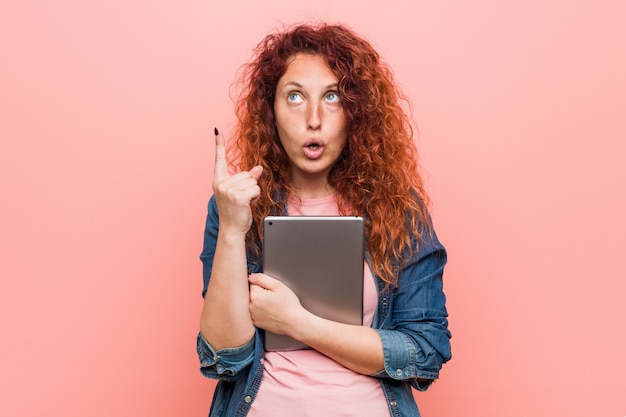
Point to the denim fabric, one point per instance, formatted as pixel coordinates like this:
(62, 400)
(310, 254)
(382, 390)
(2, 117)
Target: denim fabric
(411, 319)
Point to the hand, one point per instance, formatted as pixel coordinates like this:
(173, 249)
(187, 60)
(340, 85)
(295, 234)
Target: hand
(235, 193)
(273, 306)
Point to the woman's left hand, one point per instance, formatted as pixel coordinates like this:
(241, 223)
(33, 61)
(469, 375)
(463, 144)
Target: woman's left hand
(273, 306)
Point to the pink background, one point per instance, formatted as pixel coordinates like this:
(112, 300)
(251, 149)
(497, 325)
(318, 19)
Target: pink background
(106, 118)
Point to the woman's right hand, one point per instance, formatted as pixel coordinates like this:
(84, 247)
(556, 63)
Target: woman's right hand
(235, 193)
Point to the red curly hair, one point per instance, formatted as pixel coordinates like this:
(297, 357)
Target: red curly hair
(376, 175)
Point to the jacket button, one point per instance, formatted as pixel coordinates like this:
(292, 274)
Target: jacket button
(247, 398)
(393, 403)
(399, 372)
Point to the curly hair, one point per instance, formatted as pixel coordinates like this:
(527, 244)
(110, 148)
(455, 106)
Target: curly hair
(376, 176)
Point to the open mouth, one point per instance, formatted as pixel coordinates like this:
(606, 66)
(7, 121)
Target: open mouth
(313, 149)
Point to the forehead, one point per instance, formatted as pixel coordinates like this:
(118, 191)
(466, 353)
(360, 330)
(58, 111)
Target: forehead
(307, 67)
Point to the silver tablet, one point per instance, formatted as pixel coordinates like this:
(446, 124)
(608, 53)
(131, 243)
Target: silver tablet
(321, 259)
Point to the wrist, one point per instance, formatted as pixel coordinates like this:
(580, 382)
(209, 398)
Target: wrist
(231, 236)
(305, 327)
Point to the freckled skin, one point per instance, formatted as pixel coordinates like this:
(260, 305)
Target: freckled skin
(310, 120)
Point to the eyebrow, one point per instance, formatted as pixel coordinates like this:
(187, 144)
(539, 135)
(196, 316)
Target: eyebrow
(298, 85)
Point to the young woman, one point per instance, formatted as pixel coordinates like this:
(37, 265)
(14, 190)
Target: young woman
(321, 132)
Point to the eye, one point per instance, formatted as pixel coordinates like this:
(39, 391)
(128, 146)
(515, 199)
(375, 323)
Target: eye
(294, 97)
(332, 97)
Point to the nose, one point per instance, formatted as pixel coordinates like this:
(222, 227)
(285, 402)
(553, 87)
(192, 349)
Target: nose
(314, 119)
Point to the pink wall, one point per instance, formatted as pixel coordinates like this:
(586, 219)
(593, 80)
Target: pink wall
(106, 113)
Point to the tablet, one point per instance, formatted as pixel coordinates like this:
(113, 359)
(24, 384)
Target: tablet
(321, 258)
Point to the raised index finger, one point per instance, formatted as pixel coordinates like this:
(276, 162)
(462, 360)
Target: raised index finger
(221, 165)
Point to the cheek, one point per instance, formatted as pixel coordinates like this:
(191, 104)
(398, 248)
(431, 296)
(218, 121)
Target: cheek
(342, 131)
(284, 120)
(341, 123)
(284, 139)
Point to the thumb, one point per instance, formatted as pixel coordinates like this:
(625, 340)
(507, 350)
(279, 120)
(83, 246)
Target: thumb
(264, 281)
(256, 172)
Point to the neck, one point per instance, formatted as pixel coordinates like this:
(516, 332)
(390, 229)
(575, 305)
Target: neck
(308, 190)
(314, 186)
(313, 193)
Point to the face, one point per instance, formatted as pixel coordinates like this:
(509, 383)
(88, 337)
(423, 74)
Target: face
(309, 118)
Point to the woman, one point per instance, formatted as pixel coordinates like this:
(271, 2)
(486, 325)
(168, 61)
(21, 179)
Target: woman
(321, 132)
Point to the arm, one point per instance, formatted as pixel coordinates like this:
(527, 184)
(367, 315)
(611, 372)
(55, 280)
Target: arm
(358, 348)
(275, 308)
(415, 335)
(412, 345)
(225, 320)
(226, 363)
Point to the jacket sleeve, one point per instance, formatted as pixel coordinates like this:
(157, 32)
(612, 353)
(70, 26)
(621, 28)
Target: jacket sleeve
(416, 339)
(230, 363)
(225, 364)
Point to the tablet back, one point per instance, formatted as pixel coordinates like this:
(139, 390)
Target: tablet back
(321, 259)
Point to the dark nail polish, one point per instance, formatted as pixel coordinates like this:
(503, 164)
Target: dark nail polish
(216, 131)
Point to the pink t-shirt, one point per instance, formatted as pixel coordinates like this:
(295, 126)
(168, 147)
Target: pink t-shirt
(307, 383)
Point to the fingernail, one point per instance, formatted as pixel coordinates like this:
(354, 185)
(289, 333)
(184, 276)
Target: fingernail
(216, 131)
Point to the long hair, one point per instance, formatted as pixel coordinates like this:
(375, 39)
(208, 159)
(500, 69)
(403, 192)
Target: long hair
(376, 176)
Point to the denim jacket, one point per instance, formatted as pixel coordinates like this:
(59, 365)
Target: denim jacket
(410, 317)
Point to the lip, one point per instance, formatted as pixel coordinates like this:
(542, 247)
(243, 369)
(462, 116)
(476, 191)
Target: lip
(313, 149)
(313, 141)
